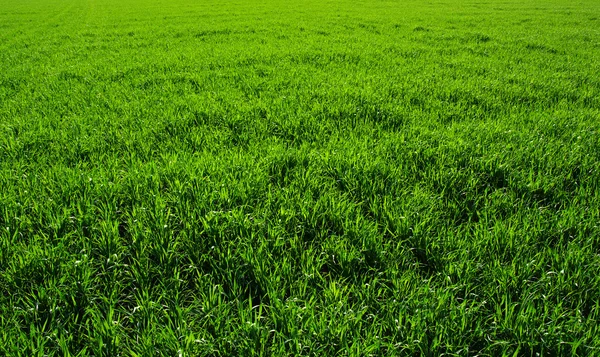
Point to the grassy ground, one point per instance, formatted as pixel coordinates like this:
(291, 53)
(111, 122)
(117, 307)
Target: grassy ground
(299, 177)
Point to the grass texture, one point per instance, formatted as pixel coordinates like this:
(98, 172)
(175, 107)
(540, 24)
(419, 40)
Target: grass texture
(326, 178)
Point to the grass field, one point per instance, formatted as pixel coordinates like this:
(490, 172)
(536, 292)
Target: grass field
(202, 177)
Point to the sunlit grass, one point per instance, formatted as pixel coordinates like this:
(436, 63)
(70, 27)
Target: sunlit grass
(299, 178)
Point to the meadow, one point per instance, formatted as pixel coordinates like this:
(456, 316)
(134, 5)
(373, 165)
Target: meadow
(301, 177)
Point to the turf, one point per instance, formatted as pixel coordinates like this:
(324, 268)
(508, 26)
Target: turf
(189, 178)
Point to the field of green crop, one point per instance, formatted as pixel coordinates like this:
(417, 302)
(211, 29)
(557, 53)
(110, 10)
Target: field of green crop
(299, 177)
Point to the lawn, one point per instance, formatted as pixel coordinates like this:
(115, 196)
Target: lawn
(301, 177)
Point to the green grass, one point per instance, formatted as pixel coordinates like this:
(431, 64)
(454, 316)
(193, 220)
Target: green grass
(299, 178)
